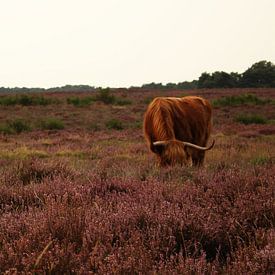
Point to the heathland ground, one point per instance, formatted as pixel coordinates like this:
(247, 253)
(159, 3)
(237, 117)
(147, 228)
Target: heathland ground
(81, 193)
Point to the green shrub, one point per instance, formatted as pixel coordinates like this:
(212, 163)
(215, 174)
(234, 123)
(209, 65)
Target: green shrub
(240, 100)
(80, 101)
(15, 126)
(5, 129)
(114, 124)
(51, 124)
(122, 101)
(26, 100)
(40, 100)
(250, 119)
(105, 96)
(18, 125)
(7, 100)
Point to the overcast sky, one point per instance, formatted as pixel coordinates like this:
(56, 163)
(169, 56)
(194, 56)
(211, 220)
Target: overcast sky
(121, 43)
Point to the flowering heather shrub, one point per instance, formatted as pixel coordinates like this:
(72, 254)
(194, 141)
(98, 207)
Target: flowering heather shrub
(206, 223)
(258, 257)
(35, 171)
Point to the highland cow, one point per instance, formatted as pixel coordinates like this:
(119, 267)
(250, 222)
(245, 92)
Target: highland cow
(177, 129)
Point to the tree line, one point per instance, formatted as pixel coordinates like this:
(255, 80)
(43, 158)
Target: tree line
(259, 75)
(66, 88)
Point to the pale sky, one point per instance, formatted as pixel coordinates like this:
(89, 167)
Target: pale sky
(122, 43)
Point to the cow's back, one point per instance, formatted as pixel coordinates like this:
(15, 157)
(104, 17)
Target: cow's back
(187, 119)
(192, 120)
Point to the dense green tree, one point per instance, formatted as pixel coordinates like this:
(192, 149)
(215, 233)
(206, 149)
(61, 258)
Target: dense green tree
(171, 86)
(260, 74)
(218, 80)
(181, 85)
(187, 85)
(223, 80)
(236, 78)
(205, 81)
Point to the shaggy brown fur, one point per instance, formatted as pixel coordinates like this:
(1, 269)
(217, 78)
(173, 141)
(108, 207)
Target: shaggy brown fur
(171, 119)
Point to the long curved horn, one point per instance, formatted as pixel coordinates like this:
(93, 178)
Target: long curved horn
(199, 147)
(162, 142)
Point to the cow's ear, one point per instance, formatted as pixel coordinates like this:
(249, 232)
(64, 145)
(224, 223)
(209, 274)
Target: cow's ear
(158, 147)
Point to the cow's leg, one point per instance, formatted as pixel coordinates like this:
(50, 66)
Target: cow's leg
(198, 158)
(189, 161)
(188, 155)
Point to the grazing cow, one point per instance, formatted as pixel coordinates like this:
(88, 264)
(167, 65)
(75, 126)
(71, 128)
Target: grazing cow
(177, 129)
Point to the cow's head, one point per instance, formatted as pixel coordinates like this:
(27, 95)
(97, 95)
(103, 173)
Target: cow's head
(171, 152)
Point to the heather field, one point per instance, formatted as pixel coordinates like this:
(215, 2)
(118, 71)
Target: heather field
(81, 194)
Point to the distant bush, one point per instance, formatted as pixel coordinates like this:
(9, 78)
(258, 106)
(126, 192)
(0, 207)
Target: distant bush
(8, 100)
(5, 129)
(18, 125)
(240, 100)
(80, 101)
(105, 96)
(122, 101)
(15, 126)
(114, 124)
(51, 124)
(250, 119)
(26, 100)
